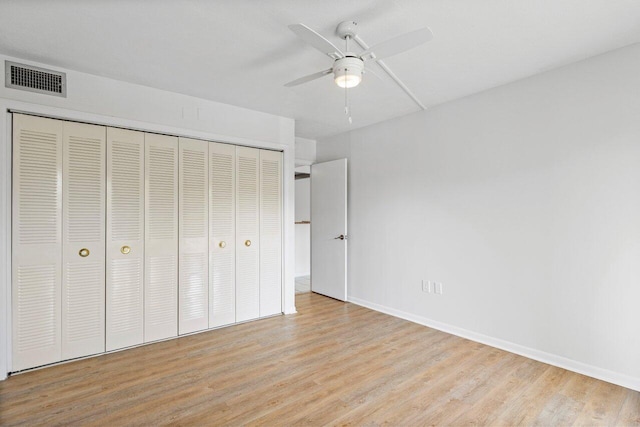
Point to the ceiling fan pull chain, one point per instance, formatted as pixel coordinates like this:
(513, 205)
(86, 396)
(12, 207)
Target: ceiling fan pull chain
(347, 109)
(346, 96)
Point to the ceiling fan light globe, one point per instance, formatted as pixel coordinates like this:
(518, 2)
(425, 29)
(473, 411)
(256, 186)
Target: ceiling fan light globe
(347, 71)
(348, 80)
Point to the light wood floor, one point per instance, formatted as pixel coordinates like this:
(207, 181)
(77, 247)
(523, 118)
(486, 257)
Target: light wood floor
(332, 363)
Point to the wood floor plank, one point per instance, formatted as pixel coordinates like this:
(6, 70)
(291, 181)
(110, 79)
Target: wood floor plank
(332, 363)
(629, 414)
(603, 405)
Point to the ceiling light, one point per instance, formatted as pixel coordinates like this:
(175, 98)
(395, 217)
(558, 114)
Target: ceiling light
(348, 80)
(348, 71)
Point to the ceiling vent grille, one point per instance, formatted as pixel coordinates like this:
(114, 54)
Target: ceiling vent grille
(35, 79)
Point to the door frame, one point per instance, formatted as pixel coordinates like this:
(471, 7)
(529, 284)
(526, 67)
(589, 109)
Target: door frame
(8, 106)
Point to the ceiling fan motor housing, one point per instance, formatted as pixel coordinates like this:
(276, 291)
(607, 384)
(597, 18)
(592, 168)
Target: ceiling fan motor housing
(347, 71)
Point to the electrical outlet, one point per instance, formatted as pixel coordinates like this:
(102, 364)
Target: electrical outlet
(426, 286)
(438, 288)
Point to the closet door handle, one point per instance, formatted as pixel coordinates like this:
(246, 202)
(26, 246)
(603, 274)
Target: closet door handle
(222, 244)
(247, 243)
(84, 252)
(125, 249)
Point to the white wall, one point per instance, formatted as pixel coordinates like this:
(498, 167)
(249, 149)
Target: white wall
(104, 101)
(305, 151)
(524, 201)
(303, 231)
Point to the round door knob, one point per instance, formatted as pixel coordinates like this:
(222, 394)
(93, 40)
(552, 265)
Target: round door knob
(84, 252)
(222, 244)
(247, 243)
(125, 250)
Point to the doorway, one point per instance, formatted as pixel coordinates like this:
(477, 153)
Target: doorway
(321, 229)
(303, 229)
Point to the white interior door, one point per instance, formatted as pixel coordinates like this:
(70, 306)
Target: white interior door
(247, 234)
(270, 233)
(36, 241)
(329, 229)
(194, 236)
(83, 236)
(161, 237)
(125, 238)
(222, 234)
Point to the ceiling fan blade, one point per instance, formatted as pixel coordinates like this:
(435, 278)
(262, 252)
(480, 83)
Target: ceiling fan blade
(398, 44)
(316, 40)
(309, 77)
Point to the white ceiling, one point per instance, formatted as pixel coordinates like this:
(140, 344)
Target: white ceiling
(241, 52)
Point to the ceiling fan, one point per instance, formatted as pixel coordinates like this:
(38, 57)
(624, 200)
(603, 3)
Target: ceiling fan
(348, 67)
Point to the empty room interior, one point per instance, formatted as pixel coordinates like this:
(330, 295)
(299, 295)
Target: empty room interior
(391, 212)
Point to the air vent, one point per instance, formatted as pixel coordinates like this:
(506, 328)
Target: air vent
(35, 79)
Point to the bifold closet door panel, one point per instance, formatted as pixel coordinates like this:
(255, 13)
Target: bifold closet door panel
(125, 238)
(270, 233)
(193, 305)
(222, 234)
(247, 234)
(36, 241)
(161, 237)
(83, 237)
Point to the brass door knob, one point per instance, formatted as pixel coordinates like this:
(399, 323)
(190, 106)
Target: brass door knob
(247, 243)
(125, 249)
(84, 252)
(222, 244)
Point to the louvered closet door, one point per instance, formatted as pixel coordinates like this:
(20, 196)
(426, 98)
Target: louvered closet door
(125, 238)
(194, 236)
(37, 241)
(247, 234)
(161, 237)
(222, 235)
(83, 254)
(270, 233)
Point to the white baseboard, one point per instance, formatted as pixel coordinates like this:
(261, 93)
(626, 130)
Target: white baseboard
(552, 359)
